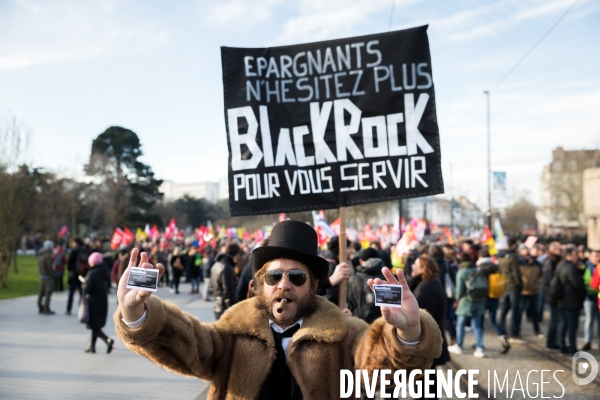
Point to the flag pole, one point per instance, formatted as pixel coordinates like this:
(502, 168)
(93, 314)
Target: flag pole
(343, 258)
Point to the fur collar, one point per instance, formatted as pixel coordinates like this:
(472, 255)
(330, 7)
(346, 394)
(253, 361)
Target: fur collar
(327, 324)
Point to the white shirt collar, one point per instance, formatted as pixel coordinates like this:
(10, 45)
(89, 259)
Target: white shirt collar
(279, 329)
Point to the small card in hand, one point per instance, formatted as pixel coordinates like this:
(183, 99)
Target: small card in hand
(388, 295)
(143, 279)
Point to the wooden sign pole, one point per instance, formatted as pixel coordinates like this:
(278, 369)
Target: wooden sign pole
(343, 285)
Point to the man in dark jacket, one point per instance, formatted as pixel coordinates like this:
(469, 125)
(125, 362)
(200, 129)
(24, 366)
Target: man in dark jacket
(511, 299)
(360, 296)
(46, 277)
(548, 270)
(73, 270)
(223, 279)
(573, 294)
(531, 277)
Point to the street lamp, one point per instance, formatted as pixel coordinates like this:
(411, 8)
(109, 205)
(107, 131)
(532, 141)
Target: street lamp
(489, 174)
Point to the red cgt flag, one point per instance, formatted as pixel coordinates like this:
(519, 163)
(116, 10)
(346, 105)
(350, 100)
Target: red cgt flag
(117, 238)
(128, 236)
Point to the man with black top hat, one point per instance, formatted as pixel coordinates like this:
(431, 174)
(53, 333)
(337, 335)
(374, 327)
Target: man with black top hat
(284, 343)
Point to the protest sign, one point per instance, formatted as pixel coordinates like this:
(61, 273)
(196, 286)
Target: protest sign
(331, 124)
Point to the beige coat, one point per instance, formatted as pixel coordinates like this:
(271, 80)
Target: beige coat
(236, 353)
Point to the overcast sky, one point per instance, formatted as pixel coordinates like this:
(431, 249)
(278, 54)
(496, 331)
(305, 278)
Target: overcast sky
(70, 69)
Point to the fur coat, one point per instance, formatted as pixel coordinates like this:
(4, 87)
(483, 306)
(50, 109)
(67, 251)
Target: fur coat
(236, 352)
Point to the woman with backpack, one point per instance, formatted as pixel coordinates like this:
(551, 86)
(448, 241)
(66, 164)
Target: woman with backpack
(496, 282)
(470, 302)
(96, 284)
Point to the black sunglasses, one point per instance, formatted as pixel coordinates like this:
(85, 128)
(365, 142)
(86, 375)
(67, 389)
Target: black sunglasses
(296, 276)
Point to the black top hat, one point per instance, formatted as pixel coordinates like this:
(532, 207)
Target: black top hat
(293, 240)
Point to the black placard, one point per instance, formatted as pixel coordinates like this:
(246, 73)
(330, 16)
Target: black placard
(331, 124)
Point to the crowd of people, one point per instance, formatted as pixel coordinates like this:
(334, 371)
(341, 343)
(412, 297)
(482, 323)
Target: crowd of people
(457, 284)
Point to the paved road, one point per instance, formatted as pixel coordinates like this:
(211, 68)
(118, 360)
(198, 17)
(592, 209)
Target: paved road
(42, 357)
(522, 359)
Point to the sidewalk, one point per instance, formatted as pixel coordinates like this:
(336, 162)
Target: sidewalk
(42, 357)
(525, 358)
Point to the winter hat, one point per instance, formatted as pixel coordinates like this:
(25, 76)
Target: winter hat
(95, 259)
(48, 244)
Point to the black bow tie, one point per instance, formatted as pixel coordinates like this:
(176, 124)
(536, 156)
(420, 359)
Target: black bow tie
(288, 333)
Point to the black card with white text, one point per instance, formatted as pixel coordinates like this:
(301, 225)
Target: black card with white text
(388, 295)
(143, 279)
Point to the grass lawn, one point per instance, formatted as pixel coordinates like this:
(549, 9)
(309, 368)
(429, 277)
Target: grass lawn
(22, 283)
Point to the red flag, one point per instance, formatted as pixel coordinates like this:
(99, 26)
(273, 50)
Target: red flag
(154, 233)
(335, 225)
(281, 217)
(486, 234)
(63, 231)
(448, 235)
(128, 236)
(117, 238)
(170, 230)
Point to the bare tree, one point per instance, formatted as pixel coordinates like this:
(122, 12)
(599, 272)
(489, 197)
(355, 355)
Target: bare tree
(13, 142)
(520, 215)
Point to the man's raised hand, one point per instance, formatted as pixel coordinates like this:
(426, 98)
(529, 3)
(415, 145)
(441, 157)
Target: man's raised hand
(131, 301)
(406, 319)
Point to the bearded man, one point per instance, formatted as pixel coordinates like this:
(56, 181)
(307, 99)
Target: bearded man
(263, 348)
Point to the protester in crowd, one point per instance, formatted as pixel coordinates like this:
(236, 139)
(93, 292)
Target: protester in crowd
(384, 255)
(58, 266)
(431, 296)
(355, 259)
(223, 278)
(411, 257)
(582, 254)
(247, 275)
(466, 308)
(450, 254)
(508, 261)
(178, 265)
(447, 277)
(537, 252)
(194, 264)
(549, 270)
(95, 291)
(73, 272)
(595, 284)
(486, 264)
(337, 271)
(161, 255)
(531, 279)
(46, 274)
(570, 302)
(248, 353)
(361, 300)
(207, 262)
(590, 304)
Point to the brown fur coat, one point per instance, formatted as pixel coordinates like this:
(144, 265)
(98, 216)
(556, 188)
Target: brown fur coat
(236, 353)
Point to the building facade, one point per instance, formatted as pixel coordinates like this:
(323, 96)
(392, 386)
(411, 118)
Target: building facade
(199, 190)
(591, 206)
(561, 209)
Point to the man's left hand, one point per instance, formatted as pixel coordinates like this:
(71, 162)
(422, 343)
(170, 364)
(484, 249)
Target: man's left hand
(406, 319)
